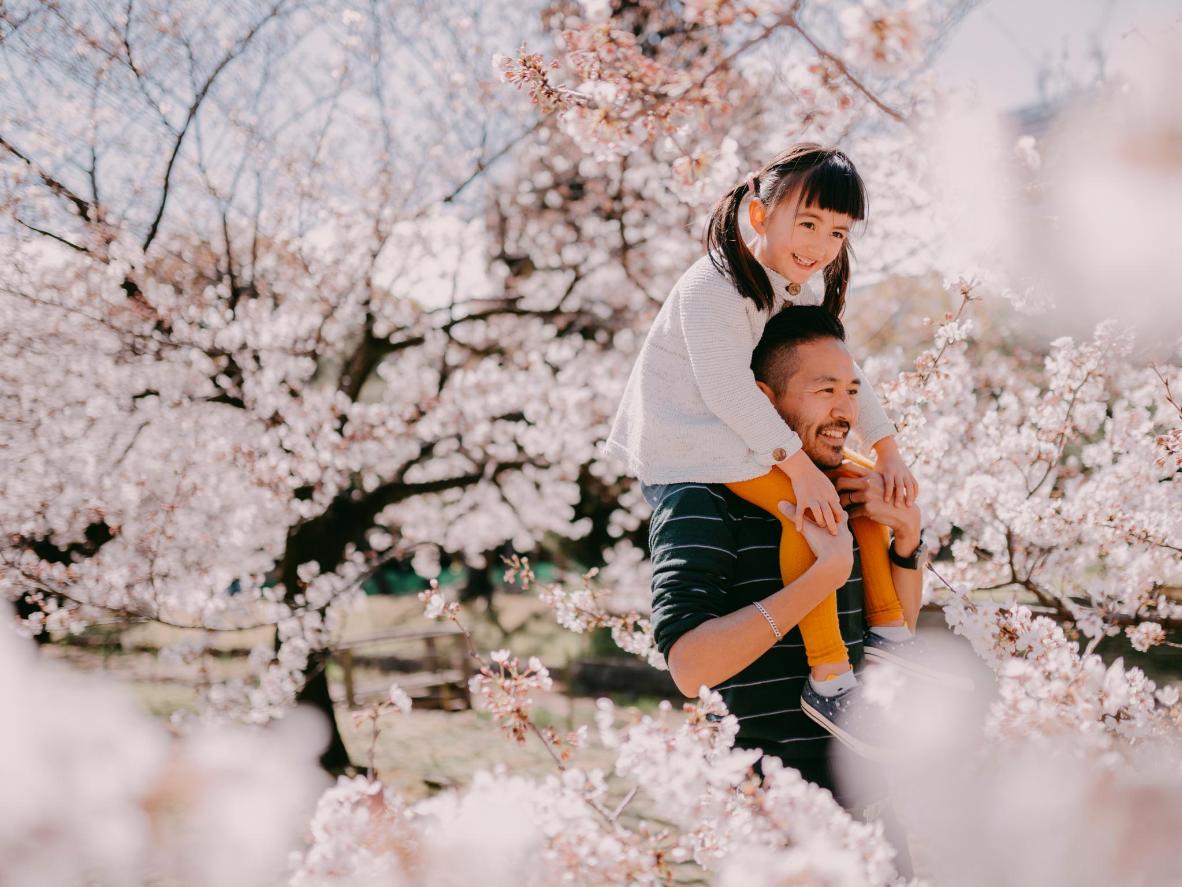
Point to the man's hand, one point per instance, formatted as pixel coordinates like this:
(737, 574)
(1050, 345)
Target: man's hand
(865, 495)
(834, 551)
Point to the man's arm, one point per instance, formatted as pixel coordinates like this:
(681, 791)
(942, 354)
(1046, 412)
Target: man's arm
(864, 495)
(908, 583)
(721, 648)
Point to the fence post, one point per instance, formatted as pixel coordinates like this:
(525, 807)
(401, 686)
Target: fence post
(346, 656)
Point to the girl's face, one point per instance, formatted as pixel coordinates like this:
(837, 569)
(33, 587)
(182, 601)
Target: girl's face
(797, 241)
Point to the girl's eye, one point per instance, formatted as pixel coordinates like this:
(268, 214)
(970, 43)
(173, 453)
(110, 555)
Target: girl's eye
(839, 235)
(808, 225)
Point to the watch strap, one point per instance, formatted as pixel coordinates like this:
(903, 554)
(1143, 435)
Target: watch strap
(907, 563)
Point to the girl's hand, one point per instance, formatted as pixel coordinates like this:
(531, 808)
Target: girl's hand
(899, 485)
(814, 492)
(832, 551)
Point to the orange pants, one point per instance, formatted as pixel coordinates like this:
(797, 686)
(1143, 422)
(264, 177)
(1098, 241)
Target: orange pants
(819, 628)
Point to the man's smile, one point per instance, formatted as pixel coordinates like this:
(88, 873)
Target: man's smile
(835, 434)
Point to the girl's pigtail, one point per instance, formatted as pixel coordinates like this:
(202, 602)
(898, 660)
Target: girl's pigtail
(837, 281)
(729, 254)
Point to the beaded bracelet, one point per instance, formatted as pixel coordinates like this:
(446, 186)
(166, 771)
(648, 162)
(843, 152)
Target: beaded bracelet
(770, 621)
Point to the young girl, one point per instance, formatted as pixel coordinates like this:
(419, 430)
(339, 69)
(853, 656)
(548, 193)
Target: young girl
(691, 411)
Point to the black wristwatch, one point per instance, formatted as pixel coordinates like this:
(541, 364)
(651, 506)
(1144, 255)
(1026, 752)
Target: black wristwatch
(907, 563)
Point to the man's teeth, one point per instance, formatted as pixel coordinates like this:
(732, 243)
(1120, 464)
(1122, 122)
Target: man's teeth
(836, 435)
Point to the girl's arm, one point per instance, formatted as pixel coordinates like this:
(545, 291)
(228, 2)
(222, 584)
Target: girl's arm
(877, 431)
(719, 341)
(873, 422)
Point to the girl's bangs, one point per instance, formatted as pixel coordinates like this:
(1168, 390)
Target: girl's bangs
(834, 185)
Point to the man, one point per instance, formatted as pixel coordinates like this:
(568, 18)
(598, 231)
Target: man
(715, 555)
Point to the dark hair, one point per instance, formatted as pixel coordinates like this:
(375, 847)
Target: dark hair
(772, 360)
(826, 178)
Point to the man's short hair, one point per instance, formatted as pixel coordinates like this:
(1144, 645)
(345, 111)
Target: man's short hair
(774, 360)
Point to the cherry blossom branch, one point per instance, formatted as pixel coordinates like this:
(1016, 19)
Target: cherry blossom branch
(582, 611)
(965, 288)
(787, 19)
(1139, 534)
(126, 615)
(845, 71)
(1170, 399)
(506, 689)
(484, 163)
(1061, 435)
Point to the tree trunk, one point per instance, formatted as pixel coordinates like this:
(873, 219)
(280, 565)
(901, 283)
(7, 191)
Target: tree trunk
(335, 758)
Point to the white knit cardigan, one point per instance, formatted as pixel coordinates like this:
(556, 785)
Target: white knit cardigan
(691, 410)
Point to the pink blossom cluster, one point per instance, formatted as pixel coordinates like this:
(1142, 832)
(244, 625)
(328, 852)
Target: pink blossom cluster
(504, 689)
(883, 35)
(641, 76)
(590, 606)
(95, 787)
(713, 816)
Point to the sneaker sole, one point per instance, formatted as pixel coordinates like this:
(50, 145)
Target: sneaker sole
(954, 682)
(870, 752)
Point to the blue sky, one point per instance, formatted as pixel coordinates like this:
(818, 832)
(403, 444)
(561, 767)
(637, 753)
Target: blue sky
(1001, 45)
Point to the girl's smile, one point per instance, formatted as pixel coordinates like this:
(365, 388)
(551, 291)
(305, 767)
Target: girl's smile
(797, 241)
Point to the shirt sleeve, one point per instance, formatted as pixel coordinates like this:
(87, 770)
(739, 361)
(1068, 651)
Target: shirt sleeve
(719, 342)
(693, 559)
(873, 422)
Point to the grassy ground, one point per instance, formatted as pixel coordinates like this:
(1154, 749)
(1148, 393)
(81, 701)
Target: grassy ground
(426, 751)
(421, 752)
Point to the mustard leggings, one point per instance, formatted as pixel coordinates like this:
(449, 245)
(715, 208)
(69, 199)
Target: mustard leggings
(819, 628)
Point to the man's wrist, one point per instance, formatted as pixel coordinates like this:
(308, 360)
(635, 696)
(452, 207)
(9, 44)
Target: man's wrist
(831, 571)
(907, 541)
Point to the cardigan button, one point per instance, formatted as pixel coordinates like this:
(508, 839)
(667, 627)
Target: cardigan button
(779, 454)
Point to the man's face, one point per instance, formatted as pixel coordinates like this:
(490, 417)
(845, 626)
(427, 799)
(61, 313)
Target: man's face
(820, 399)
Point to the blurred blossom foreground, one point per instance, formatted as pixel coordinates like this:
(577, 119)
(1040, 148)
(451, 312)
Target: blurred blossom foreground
(296, 292)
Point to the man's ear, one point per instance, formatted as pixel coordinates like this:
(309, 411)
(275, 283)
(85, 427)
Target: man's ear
(766, 389)
(757, 215)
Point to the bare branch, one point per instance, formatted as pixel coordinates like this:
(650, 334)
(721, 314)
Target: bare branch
(235, 51)
(50, 235)
(84, 207)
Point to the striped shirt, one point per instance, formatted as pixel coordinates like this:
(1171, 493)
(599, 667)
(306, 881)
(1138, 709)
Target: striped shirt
(714, 553)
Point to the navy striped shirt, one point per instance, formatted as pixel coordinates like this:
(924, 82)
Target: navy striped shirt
(714, 553)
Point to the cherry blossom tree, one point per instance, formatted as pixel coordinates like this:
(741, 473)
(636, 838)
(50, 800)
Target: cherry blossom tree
(255, 334)
(298, 287)
(257, 337)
